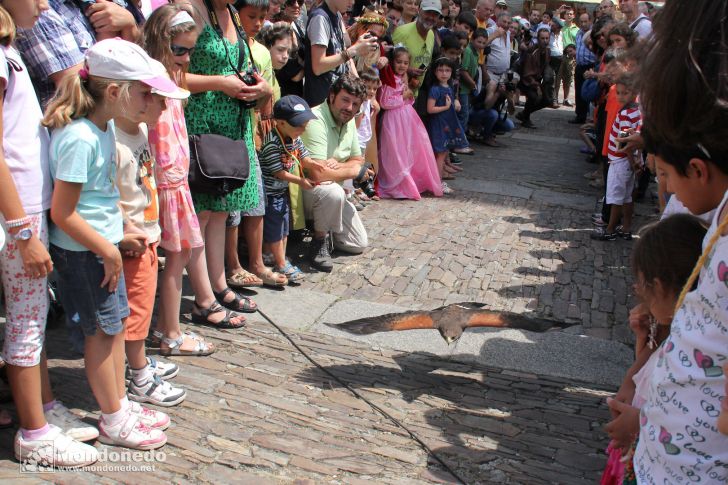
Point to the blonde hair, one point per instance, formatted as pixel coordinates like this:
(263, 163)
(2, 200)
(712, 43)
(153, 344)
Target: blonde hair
(157, 35)
(7, 28)
(77, 98)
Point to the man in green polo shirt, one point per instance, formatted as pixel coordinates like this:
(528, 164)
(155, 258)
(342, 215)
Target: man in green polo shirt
(335, 156)
(419, 39)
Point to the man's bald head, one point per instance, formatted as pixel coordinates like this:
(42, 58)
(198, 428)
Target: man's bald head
(484, 9)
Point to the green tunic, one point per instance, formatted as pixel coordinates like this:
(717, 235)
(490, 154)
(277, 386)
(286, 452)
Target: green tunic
(215, 112)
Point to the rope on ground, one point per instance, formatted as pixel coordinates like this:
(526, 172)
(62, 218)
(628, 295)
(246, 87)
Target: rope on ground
(359, 396)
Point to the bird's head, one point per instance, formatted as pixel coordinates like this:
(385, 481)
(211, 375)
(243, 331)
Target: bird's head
(450, 333)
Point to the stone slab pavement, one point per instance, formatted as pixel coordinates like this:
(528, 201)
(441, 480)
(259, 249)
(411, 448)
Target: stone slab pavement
(497, 407)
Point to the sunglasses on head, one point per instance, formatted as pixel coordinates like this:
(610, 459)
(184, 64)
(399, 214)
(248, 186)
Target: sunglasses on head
(179, 50)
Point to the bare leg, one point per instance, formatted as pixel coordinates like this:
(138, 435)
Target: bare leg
(279, 253)
(119, 357)
(215, 249)
(440, 159)
(100, 365)
(627, 217)
(25, 384)
(615, 213)
(135, 354)
(253, 230)
(232, 261)
(170, 293)
(46, 393)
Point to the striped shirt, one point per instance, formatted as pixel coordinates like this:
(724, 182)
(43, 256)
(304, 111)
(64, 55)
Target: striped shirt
(628, 117)
(274, 157)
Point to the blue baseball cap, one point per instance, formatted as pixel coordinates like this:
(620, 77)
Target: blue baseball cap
(293, 109)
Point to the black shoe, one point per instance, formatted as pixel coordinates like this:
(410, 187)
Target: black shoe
(602, 235)
(319, 254)
(627, 236)
(577, 121)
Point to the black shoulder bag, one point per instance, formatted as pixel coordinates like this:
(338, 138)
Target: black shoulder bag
(218, 164)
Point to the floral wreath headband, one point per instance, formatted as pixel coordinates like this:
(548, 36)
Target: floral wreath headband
(372, 20)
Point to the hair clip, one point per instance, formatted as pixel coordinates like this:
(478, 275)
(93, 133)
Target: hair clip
(83, 73)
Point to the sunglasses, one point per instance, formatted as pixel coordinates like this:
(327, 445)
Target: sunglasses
(291, 3)
(179, 50)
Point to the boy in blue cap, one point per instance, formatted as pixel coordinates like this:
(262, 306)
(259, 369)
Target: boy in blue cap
(280, 158)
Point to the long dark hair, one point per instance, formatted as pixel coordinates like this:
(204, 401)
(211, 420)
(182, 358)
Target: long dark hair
(684, 93)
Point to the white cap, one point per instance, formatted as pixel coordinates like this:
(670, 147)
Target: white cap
(124, 61)
(431, 5)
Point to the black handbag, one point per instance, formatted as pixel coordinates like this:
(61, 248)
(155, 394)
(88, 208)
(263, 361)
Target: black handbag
(218, 164)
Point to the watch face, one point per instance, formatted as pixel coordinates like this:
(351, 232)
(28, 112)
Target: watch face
(24, 234)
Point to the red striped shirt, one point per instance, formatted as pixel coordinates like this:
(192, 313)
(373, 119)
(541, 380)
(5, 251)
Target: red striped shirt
(628, 117)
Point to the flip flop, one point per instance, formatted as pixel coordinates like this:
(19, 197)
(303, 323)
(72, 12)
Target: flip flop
(201, 318)
(293, 273)
(271, 278)
(243, 279)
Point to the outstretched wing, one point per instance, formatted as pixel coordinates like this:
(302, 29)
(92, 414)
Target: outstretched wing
(489, 318)
(387, 323)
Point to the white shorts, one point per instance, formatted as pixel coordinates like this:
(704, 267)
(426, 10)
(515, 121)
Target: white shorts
(620, 183)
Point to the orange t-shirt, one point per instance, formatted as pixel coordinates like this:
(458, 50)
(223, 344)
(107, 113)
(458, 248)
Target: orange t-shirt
(612, 108)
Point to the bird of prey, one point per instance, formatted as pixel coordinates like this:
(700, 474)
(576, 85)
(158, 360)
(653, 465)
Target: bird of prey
(450, 321)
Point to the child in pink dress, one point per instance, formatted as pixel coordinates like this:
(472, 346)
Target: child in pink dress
(407, 165)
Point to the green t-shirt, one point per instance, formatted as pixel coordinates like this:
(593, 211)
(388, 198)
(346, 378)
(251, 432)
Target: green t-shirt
(264, 65)
(420, 52)
(469, 64)
(568, 35)
(324, 139)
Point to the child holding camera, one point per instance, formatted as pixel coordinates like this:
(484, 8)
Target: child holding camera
(622, 165)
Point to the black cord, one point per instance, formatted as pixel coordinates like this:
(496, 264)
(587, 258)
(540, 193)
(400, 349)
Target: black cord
(359, 396)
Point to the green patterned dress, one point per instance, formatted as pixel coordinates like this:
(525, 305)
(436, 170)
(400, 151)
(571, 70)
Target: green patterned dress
(215, 112)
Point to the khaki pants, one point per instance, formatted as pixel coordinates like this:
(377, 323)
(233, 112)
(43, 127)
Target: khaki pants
(326, 204)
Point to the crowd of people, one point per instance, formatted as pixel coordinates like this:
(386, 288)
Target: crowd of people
(188, 126)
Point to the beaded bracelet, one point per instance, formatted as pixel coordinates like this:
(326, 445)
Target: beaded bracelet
(18, 222)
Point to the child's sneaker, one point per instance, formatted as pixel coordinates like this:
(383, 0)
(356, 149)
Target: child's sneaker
(156, 391)
(161, 369)
(150, 417)
(601, 235)
(61, 417)
(54, 448)
(132, 433)
(446, 189)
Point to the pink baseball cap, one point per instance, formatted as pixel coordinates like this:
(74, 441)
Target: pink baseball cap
(124, 61)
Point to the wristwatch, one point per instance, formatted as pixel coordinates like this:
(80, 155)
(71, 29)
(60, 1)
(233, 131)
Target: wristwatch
(23, 235)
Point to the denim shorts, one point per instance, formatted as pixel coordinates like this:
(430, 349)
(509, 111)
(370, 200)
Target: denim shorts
(86, 303)
(275, 222)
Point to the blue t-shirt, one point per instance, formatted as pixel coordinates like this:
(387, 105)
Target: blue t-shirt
(81, 153)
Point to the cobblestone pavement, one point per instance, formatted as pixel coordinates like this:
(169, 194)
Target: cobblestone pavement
(257, 412)
(515, 236)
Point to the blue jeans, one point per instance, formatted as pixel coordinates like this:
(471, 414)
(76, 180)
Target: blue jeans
(490, 121)
(464, 113)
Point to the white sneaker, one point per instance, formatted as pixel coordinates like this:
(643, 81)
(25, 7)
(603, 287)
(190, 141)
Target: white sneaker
(131, 433)
(165, 370)
(150, 417)
(156, 391)
(446, 189)
(59, 415)
(53, 449)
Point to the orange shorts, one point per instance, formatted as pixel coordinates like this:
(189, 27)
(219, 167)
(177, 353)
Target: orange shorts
(141, 287)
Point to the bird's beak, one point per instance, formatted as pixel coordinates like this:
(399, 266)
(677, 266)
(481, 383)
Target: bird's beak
(449, 340)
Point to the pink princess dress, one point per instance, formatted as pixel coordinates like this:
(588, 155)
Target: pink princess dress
(407, 164)
(171, 149)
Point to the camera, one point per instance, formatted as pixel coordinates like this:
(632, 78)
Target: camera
(509, 80)
(620, 144)
(249, 79)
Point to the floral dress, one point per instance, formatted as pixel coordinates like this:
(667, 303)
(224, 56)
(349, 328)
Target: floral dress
(215, 112)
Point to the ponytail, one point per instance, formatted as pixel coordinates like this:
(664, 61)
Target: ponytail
(77, 97)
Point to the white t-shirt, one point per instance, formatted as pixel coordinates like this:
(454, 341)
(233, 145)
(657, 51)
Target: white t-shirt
(674, 206)
(643, 26)
(499, 59)
(135, 180)
(679, 441)
(365, 126)
(25, 141)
